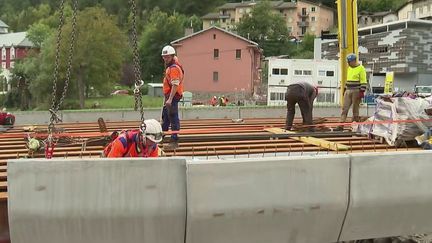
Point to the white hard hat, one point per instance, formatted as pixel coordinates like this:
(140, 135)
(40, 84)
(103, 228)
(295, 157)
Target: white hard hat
(168, 50)
(153, 130)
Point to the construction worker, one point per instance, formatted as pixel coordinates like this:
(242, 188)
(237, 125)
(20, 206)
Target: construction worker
(213, 101)
(355, 88)
(303, 94)
(173, 91)
(141, 142)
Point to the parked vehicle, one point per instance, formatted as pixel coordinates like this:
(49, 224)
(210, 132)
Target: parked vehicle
(6, 118)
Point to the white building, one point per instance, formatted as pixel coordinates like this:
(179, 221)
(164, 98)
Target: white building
(323, 73)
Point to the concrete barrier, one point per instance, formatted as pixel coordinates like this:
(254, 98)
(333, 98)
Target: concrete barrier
(25, 118)
(391, 195)
(97, 201)
(292, 199)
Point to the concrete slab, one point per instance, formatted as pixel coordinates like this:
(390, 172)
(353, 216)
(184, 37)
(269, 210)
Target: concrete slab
(97, 201)
(391, 195)
(289, 199)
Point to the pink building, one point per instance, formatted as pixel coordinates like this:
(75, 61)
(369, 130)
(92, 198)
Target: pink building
(216, 60)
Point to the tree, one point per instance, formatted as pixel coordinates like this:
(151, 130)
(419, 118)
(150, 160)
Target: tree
(266, 28)
(97, 61)
(39, 33)
(160, 31)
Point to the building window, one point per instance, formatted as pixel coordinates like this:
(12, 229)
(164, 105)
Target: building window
(215, 76)
(298, 72)
(313, 9)
(214, 36)
(276, 71)
(212, 22)
(238, 54)
(216, 53)
(321, 73)
(3, 65)
(12, 53)
(277, 96)
(284, 71)
(304, 11)
(313, 19)
(330, 74)
(232, 21)
(303, 30)
(3, 53)
(307, 72)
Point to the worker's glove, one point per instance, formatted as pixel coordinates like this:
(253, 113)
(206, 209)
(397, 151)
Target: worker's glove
(362, 94)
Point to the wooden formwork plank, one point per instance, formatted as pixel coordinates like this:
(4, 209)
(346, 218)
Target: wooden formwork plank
(311, 140)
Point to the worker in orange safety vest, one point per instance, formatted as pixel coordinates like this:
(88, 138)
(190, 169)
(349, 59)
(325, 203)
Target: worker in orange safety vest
(141, 142)
(173, 92)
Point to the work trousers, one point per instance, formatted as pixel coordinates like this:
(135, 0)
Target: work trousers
(351, 97)
(170, 117)
(296, 94)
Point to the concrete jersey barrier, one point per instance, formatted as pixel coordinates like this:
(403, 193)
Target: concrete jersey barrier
(391, 195)
(97, 201)
(292, 199)
(276, 200)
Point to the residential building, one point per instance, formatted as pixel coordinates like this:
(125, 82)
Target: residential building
(283, 72)
(13, 46)
(403, 47)
(417, 9)
(368, 19)
(301, 17)
(4, 28)
(218, 61)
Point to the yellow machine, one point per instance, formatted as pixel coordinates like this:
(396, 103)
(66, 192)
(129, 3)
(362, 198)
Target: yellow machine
(347, 35)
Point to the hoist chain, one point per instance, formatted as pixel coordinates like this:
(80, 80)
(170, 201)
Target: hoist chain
(56, 106)
(136, 59)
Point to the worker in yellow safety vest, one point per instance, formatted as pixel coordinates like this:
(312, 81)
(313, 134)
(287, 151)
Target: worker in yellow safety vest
(355, 88)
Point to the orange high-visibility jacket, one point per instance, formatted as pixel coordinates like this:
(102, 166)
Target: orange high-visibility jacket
(128, 144)
(173, 72)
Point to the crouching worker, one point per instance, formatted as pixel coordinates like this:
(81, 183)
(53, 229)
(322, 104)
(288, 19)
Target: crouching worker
(303, 94)
(137, 143)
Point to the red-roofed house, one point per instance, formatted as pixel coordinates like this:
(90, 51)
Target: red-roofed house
(216, 60)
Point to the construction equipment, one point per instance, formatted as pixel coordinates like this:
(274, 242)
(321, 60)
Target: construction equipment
(348, 37)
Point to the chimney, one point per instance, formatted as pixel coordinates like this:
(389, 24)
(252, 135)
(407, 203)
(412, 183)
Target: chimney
(189, 31)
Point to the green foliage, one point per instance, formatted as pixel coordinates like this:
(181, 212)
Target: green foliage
(381, 5)
(38, 33)
(122, 102)
(98, 57)
(266, 28)
(160, 31)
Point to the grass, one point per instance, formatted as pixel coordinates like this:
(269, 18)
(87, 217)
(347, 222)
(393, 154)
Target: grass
(122, 102)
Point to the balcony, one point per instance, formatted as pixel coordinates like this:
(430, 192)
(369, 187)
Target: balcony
(303, 24)
(225, 16)
(303, 14)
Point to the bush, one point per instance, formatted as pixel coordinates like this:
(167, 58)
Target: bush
(12, 99)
